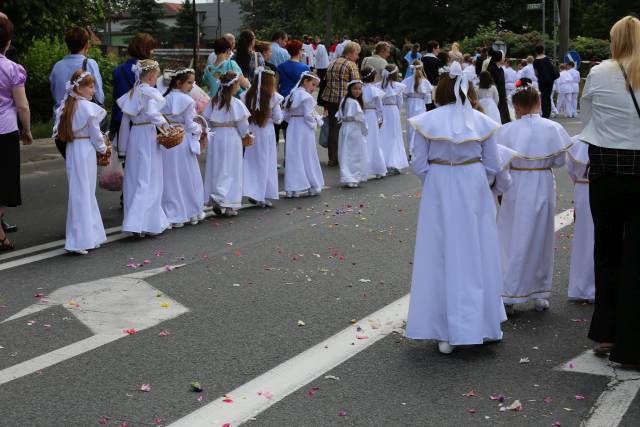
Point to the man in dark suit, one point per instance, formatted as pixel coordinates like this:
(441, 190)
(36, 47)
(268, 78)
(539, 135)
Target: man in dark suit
(432, 66)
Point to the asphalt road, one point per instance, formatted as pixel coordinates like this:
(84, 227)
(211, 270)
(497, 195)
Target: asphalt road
(260, 289)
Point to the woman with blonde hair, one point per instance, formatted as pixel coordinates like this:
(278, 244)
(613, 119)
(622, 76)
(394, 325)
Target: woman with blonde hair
(610, 111)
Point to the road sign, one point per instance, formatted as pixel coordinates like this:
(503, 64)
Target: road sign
(535, 6)
(573, 56)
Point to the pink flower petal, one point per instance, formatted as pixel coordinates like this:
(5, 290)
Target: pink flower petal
(227, 400)
(164, 333)
(103, 421)
(342, 413)
(470, 393)
(131, 331)
(145, 387)
(579, 397)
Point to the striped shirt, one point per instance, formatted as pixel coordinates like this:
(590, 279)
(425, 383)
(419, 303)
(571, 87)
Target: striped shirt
(340, 72)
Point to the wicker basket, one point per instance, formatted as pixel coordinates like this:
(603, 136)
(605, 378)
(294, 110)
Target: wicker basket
(248, 140)
(172, 137)
(103, 159)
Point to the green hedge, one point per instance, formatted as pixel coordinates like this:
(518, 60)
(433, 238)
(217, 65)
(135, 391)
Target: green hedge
(523, 45)
(39, 59)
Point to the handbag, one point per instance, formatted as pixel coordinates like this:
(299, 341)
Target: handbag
(633, 95)
(323, 140)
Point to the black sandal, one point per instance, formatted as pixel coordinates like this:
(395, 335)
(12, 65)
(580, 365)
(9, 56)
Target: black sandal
(6, 245)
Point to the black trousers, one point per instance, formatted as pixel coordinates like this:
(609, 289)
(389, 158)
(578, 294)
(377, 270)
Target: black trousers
(545, 94)
(615, 206)
(322, 73)
(334, 132)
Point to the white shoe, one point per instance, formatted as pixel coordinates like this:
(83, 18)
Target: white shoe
(176, 225)
(267, 204)
(296, 194)
(542, 304)
(445, 348)
(509, 309)
(96, 247)
(81, 252)
(313, 192)
(201, 216)
(378, 176)
(194, 221)
(289, 194)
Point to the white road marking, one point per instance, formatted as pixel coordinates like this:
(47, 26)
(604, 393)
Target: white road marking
(107, 307)
(114, 234)
(45, 246)
(293, 374)
(288, 377)
(613, 403)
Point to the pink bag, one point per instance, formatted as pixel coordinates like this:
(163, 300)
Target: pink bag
(111, 176)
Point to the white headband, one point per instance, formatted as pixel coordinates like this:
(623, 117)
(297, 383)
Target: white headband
(230, 82)
(138, 69)
(373, 70)
(465, 110)
(259, 72)
(386, 73)
(413, 67)
(344, 98)
(302, 76)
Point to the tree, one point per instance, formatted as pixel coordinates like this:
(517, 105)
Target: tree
(183, 32)
(44, 18)
(146, 15)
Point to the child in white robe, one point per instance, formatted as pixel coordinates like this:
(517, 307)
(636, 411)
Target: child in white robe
(510, 78)
(353, 154)
(395, 155)
(488, 96)
(229, 119)
(418, 93)
(78, 122)
(526, 220)
(564, 91)
(137, 139)
(456, 283)
(372, 99)
(183, 190)
(581, 273)
(260, 166)
(572, 96)
(302, 171)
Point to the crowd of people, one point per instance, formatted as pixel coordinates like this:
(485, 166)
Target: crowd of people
(479, 139)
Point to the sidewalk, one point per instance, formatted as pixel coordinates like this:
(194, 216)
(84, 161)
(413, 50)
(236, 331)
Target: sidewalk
(41, 149)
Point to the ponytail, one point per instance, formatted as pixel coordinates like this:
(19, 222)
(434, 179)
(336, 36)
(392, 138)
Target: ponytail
(65, 128)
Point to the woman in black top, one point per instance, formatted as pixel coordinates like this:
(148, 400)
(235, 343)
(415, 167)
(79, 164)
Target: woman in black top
(496, 71)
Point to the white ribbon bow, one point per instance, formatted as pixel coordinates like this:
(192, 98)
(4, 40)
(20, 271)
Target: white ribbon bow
(464, 110)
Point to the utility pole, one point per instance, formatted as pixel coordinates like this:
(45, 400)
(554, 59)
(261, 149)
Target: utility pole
(328, 23)
(556, 19)
(196, 35)
(544, 24)
(565, 13)
(219, 26)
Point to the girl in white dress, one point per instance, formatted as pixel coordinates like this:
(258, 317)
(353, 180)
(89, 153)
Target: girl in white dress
(229, 119)
(353, 155)
(488, 96)
(581, 273)
(395, 155)
(143, 180)
(456, 283)
(78, 122)
(372, 99)
(183, 191)
(302, 171)
(418, 93)
(260, 167)
(526, 220)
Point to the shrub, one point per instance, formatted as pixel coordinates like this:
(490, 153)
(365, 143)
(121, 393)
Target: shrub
(39, 59)
(591, 49)
(518, 45)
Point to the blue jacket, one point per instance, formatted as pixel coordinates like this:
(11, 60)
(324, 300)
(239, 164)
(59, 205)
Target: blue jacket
(123, 81)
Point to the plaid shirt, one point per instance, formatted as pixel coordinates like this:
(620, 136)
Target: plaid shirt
(612, 161)
(340, 72)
